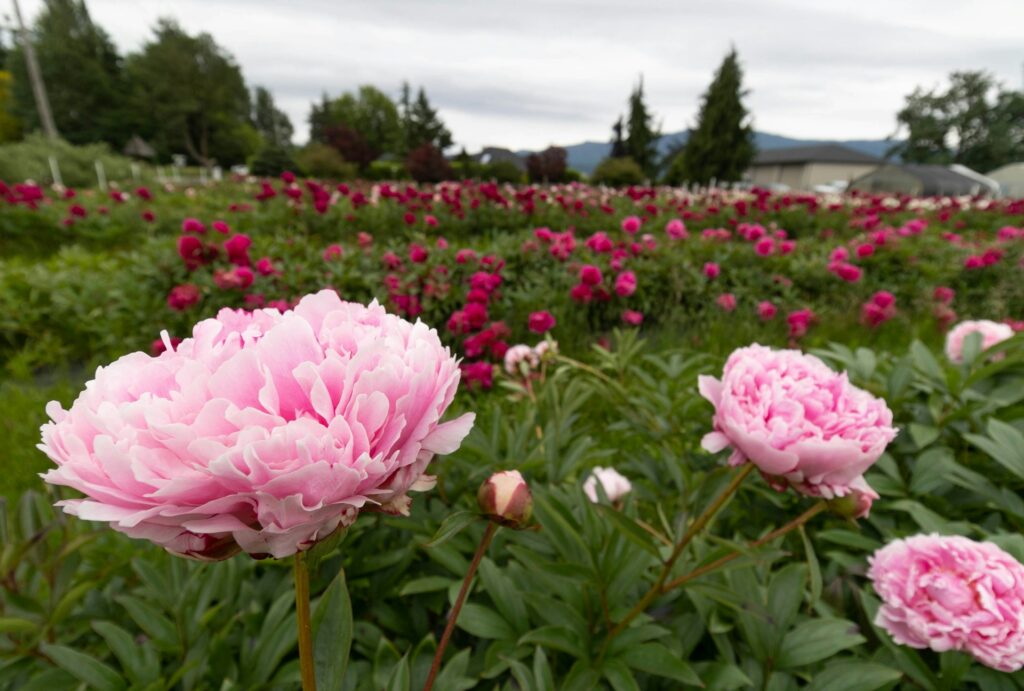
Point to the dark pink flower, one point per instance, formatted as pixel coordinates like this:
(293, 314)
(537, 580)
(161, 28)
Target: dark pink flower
(590, 275)
(541, 322)
(766, 310)
(193, 225)
(727, 301)
(633, 317)
(237, 248)
(712, 270)
(625, 284)
(183, 296)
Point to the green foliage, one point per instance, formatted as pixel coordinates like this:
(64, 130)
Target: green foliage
(273, 160)
(10, 126)
(641, 133)
(368, 113)
(617, 172)
(29, 159)
(975, 122)
(187, 95)
(272, 124)
(321, 161)
(420, 122)
(502, 171)
(82, 73)
(721, 145)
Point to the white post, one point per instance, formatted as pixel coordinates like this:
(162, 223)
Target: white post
(55, 172)
(177, 174)
(101, 175)
(218, 174)
(135, 172)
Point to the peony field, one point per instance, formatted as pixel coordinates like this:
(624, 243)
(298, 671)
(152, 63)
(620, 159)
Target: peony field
(281, 432)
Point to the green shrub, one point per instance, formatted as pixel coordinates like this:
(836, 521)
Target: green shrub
(271, 161)
(322, 161)
(502, 171)
(29, 159)
(618, 172)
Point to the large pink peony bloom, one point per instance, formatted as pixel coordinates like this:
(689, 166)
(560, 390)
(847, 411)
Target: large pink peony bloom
(991, 334)
(952, 593)
(799, 422)
(263, 431)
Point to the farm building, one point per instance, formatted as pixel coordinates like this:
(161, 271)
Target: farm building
(804, 167)
(921, 180)
(1010, 179)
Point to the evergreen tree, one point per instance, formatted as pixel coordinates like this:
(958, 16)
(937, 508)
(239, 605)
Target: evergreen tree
(721, 146)
(642, 135)
(319, 120)
(423, 125)
(405, 116)
(273, 124)
(187, 95)
(82, 72)
(618, 143)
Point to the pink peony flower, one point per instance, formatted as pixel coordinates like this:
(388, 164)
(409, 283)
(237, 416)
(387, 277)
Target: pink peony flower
(802, 424)
(727, 301)
(614, 484)
(952, 593)
(991, 334)
(221, 227)
(193, 225)
(633, 318)
(625, 284)
(263, 432)
(333, 252)
(676, 229)
(766, 310)
(711, 270)
(630, 225)
(417, 253)
(540, 322)
(944, 295)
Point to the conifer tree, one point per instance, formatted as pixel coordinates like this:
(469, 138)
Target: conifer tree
(721, 146)
(642, 135)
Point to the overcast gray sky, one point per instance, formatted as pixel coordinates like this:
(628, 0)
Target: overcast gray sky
(528, 73)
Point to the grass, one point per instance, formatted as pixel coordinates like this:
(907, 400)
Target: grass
(22, 411)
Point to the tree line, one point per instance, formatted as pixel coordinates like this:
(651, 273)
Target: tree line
(185, 94)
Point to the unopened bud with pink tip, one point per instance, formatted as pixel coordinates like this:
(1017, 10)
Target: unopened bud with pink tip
(505, 497)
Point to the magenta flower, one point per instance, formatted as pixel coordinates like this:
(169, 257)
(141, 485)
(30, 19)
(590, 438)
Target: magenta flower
(712, 270)
(262, 432)
(631, 224)
(237, 248)
(727, 301)
(590, 275)
(676, 230)
(944, 295)
(952, 593)
(332, 252)
(417, 253)
(625, 284)
(193, 225)
(541, 322)
(802, 424)
(766, 310)
(221, 227)
(183, 296)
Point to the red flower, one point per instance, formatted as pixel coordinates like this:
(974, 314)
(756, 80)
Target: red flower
(581, 292)
(237, 247)
(590, 275)
(417, 253)
(193, 225)
(332, 252)
(221, 227)
(183, 296)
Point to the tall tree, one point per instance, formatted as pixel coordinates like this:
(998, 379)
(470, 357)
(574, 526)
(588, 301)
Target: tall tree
(188, 96)
(82, 73)
(273, 124)
(10, 128)
(368, 117)
(550, 165)
(974, 122)
(641, 133)
(721, 146)
(618, 143)
(424, 126)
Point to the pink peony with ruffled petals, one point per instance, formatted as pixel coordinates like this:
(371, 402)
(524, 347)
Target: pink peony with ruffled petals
(263, 432)
(952, 593)
(802, 424)
(991, 334)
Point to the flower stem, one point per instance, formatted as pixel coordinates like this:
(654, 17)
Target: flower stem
(779, 532)
(698, 525)
(306, 665)
(481, 549)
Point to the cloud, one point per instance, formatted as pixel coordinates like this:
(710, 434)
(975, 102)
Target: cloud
(535, 72)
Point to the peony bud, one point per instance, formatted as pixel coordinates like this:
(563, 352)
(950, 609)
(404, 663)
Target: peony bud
(615, 484)
(506, 498)
(856, 504)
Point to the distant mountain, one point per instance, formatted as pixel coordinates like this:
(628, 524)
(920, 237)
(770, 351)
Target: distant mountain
(585, 156)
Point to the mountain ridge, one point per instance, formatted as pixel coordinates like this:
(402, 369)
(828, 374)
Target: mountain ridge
(585, 155)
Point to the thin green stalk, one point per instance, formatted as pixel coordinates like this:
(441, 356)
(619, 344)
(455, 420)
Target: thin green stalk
(305, 622)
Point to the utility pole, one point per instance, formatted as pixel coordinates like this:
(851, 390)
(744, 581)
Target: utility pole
(36, 77)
